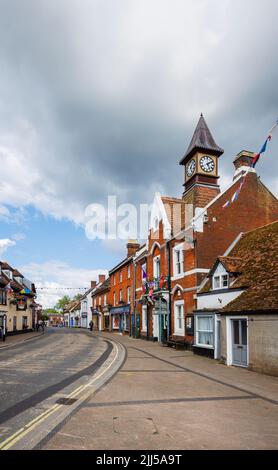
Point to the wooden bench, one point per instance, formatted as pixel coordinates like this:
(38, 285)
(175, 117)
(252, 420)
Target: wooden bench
(176, 343)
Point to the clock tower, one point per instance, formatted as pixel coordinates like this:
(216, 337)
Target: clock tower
(201, 167)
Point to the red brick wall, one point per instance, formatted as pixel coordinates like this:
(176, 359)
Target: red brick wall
(255, 207)
(121, 285)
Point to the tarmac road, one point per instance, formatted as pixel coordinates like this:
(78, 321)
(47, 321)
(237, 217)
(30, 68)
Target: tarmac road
(35, 375)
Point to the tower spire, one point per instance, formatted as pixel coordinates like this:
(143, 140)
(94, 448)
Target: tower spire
(201, 166)
(203, 141)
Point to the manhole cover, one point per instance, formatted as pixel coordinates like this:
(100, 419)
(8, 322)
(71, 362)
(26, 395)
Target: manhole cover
(66, 401)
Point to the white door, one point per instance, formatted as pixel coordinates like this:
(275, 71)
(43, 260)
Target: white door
(239, 342)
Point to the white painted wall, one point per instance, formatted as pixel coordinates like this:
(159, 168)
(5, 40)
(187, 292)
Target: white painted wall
(212, 301)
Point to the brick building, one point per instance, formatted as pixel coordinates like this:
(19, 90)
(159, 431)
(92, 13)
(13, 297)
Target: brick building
(99, 302)
(237, 315)
(186, 235)
(121, 293)
(100, 305)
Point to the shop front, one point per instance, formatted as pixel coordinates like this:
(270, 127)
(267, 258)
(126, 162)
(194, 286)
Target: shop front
(120, 318)
(106, 318)
(95, 318)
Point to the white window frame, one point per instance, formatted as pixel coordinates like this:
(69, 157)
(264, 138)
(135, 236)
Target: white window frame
(178, 251)
(121, 276)
(179, 331)
(198, 343)
(144, 326)
(128, 271)
(128, 295)
(105, 299)
(155, 264)
(221, 281)
(114, 299)
(121, 295)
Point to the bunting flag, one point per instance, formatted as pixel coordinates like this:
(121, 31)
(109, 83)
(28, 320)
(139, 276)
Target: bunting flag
(235, 195)
(254, 163)
(25, 291)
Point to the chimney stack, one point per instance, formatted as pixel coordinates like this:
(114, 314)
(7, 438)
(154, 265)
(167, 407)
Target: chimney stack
(243, 161)
(101, 278)
(132, 247)
(93, 284)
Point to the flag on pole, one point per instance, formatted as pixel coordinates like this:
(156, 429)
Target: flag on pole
(144, 272)
(257, 156)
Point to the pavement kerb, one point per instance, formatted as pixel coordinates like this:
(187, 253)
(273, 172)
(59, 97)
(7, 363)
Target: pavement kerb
(35, 434)
(17, 343)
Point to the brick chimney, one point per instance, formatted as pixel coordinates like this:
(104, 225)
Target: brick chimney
(101, 278)
(132, 247)
(93, 284)
(243, 161)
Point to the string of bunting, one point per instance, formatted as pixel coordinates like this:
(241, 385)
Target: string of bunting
(256, 158)
(62, 288)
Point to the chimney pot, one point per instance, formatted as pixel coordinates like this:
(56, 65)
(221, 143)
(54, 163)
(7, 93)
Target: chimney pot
(101, 278)
(132, 247)
(243, 160)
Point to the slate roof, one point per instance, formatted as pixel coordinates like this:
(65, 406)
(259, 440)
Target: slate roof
(202, 140)
(258, 252)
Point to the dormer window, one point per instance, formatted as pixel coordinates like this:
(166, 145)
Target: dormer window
(221, 282)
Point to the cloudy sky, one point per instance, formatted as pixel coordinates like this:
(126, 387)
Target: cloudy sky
(101, 97)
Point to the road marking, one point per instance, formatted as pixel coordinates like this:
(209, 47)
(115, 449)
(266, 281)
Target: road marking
(14, 438)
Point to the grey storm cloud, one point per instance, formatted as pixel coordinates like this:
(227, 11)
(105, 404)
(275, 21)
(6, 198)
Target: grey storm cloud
(102, 96)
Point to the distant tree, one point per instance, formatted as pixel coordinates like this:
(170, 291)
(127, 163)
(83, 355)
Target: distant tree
(60, 305)
(48, 311)
(77, 297)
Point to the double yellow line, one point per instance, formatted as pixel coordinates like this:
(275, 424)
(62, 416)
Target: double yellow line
(14, 438)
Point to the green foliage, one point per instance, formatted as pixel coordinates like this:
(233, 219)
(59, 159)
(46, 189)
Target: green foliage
(60, 305)
(48, 311)
(77, 297)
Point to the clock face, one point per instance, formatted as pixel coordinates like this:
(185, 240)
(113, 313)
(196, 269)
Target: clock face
(207, 164)
(191, 167)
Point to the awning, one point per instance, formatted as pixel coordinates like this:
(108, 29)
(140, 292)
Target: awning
(120, 310)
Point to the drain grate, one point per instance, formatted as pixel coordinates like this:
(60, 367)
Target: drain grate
(66, 401)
